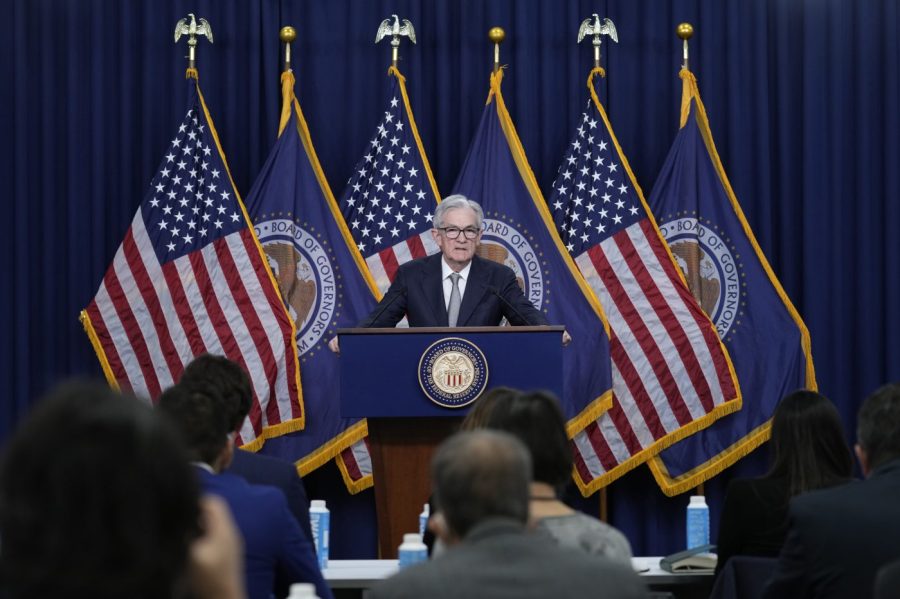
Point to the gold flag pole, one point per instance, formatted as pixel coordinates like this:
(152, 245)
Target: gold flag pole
(685, 31)
(597, 29)
(496, 35)
(192, 30)
(287, 35)
(396, 31)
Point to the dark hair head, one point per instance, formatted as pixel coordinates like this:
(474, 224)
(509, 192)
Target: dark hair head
(478, 475)
(97, 499)
(223, 380)
(203, 427)
(878, 425)
(808, 443)
(537, 421)
(478, 416)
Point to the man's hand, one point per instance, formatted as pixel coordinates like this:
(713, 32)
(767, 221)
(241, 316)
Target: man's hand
(334, 346)
(567, 338)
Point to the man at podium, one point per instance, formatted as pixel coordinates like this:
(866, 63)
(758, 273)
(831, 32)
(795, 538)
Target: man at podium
(455, 288)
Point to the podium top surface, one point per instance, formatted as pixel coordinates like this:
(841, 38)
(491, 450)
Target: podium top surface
(450, 330)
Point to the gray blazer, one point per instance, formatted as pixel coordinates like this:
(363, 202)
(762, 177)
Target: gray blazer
(500, 559)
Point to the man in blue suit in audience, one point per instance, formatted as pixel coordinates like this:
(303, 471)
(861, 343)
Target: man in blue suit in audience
(839, 538)
(481, 484)
(227, 383)
(277, 552)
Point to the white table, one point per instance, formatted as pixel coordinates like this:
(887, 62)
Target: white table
(364, 573)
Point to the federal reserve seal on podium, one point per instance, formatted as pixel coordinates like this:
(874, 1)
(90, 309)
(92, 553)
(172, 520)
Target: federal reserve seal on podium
(453, 372)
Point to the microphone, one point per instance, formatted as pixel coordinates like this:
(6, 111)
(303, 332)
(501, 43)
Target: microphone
(506, 302)
(368, 322)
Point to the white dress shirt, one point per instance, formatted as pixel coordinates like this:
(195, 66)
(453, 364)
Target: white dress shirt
(446, 271)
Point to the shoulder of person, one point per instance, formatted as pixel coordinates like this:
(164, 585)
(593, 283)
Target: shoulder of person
(419, 580)
(813, 502)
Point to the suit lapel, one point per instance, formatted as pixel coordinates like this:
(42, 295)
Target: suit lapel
(475, 290)
(433, 289)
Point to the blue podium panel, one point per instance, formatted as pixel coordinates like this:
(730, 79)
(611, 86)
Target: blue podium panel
(400, 373)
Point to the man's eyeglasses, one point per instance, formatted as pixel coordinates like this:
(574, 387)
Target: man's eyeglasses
(453, 232)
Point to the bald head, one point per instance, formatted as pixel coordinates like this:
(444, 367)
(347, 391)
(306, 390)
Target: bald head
(479, 475)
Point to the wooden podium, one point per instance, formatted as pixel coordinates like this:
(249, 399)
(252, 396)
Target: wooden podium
(380, 381)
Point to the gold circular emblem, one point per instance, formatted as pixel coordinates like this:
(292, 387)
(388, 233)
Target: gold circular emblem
(453, 372)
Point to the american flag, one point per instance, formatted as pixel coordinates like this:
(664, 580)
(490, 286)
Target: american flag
(391, 197)
(671, 374)
(190, 278)
(388, 205)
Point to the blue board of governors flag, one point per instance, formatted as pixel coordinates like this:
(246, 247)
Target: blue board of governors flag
(519, 232)
(705, 228)
(388, 206)
(671, 374)
(322, 278)
(191, 278)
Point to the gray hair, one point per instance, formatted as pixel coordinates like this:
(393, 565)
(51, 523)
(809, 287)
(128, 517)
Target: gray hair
(478, 475)
(455, 202)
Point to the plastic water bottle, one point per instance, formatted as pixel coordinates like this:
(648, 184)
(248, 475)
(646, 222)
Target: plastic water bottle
(303, 590)
(697, 522)
(423, 519)
(320, 521)
(412, 551)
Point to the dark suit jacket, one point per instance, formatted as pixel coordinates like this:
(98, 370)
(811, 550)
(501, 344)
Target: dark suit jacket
(265, 470)
(838, 538)
(276, 551)
(754, 518)
(887, 583)
(498, 558)
(417, 293)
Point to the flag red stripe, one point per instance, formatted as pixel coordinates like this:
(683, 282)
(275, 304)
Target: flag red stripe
(133, 331)
(635, 385)
(350, 463)
(151, 301)
(183, 309)
(416, 248)
(580, 466)
(109, 348)
(252, 322)
(726, 383)
(644, 337)
(601, 447)
(691, 366)
(283, 319)
(389, 261)
(220, 326)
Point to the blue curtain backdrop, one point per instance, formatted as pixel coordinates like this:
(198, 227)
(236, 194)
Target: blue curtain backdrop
(803, 97)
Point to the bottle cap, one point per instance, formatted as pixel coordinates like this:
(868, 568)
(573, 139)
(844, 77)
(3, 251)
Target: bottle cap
(317, 503)
(698, 500)
(426, 509)
(412, 537)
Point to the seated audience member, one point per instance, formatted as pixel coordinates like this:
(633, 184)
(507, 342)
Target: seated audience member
(276, 551)
(98, 500)
(839, 538)
(809, 452)
(481, 483)
(536, 420)
(226, 382)
(474, 420)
